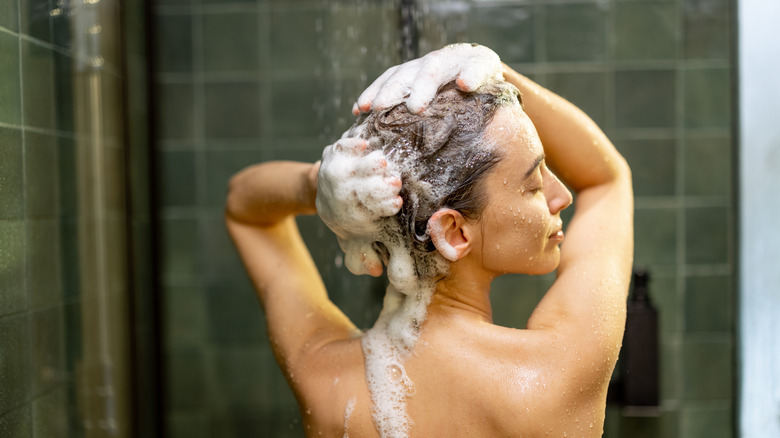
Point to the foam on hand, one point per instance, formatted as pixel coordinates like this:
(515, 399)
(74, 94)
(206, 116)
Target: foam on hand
(416, 82)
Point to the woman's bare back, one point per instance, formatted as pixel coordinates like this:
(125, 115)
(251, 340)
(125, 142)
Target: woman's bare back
(471, 379)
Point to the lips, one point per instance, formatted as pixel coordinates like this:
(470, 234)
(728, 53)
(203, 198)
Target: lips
(558, 234)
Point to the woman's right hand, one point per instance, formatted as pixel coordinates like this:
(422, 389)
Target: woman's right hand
(356, 188)
(416, 82)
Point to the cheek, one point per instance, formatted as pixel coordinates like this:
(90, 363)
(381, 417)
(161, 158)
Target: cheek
(517, 235)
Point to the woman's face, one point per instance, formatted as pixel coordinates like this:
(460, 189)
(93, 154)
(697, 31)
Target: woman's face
(521, 228)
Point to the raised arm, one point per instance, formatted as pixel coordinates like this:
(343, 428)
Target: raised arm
(260, 214)
(587, 300)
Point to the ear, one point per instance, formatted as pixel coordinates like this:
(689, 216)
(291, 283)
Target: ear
(449, 234)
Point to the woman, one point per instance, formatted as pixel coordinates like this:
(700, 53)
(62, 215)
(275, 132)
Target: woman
(441, 368)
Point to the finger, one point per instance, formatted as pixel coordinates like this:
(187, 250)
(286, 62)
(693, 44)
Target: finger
(389, 207)
(371, 263)
(367, 97)
(374, 163)
(352, 146)
(394, 181)
(327, 152)
(484, 66)
(433, 75)
(397, 86)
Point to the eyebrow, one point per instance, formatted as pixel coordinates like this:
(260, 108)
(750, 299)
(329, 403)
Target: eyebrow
(537, 162)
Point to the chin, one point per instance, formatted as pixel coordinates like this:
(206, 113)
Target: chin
(546, 266)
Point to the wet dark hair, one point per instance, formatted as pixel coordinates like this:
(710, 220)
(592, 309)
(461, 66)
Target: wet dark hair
(441, 153)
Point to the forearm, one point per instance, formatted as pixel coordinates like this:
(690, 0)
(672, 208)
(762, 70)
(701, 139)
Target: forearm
(575, 147)
(266, 193)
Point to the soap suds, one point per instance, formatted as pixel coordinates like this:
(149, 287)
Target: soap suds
(348, 413)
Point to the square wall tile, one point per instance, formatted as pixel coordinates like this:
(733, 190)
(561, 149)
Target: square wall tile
(221, 165)
(233, 110)
(294, 113)
(35, 19)
(9, 15)
(707, 98)
(655, 234)
(17, 423)
(307, 150)
(61, 25)
(10, 86)
(238, 45)
(70, 250)
(44, 271)
(185, 316)
(709, 304)
(708, 164)
(63, 89)
(294, 32)
(13, 260)
(67, 176)
(586, 90)
(16, 367)
(574, 32)
(176, 115)
(241, 378)
(39, 91)
(12, 187)
(219, 253)
(664, 295)
(50, 414)
(703, 422)
(707, 29)
(645, 30)
(173, 43)
(707, 370)
(48, 334)
(217, 2)
(192, 423)
(180, 243)
(653, 165)
(508, 30)
(179, 178)
(645, 99)
(669, 370)
(666, 425)
(707, 235)
(185, 378)
(359, 39)
(41, 176)
(514, 298)
(234, 313)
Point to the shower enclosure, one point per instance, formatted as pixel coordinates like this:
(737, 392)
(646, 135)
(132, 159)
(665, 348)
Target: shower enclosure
(124, 310)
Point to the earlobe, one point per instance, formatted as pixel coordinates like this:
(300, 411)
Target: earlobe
(446, 228)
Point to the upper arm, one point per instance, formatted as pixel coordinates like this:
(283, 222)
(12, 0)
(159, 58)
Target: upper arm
(586, 304)
(299, 315)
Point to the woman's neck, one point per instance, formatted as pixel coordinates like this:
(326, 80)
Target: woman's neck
(463, 292)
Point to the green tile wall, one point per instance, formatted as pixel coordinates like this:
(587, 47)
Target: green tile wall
(38, 345)
(41, 292)
(242, 81)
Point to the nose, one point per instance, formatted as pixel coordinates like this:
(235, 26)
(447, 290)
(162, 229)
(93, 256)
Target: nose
(558, 196)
